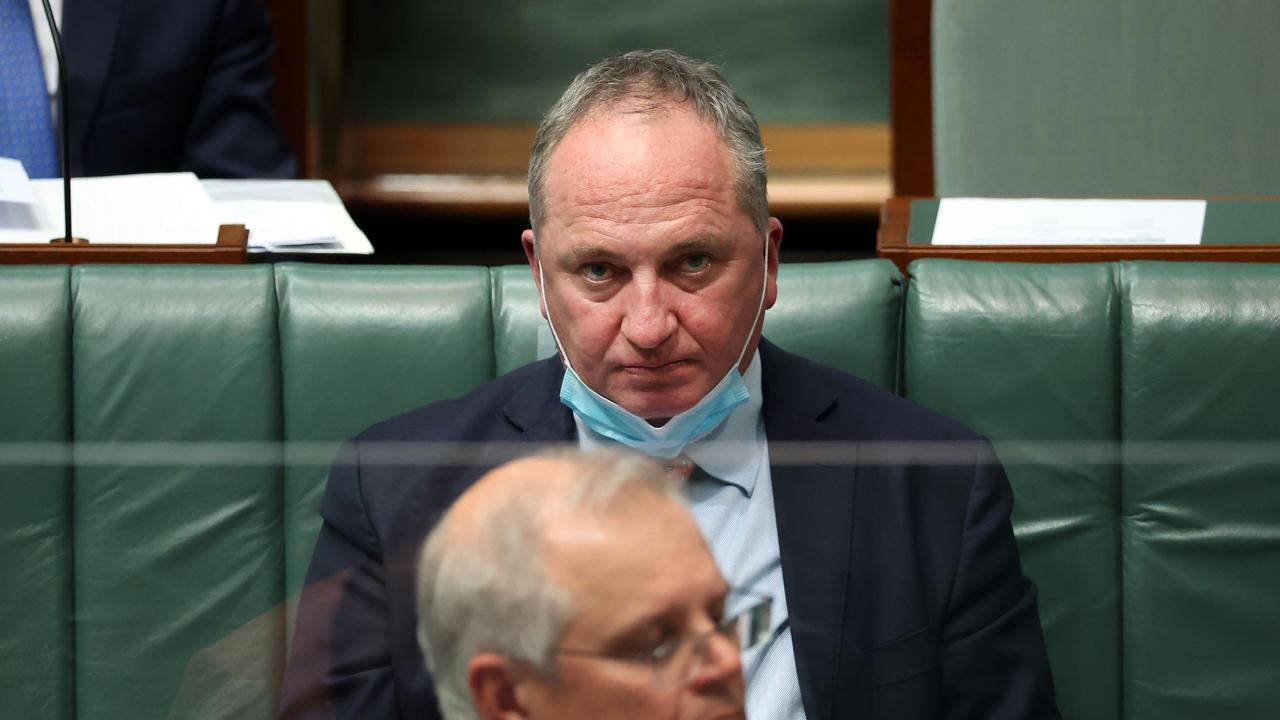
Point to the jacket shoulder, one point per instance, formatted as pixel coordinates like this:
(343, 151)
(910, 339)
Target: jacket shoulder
(479, 413)
(875, 413)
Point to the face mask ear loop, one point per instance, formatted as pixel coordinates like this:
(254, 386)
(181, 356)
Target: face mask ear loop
(764, 288)
(542, 298)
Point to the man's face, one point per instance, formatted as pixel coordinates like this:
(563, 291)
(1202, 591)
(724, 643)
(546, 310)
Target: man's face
(653, 271)
(637, 579)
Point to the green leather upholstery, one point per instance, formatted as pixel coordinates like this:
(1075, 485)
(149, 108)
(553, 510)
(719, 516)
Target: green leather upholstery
(1200, 525)
(358, 347)
(36, 679)
(1098, 97)
(1154, 553)
(520, 335)
(173, 552)
(862, 299)
(151, 578)
(1027, 353)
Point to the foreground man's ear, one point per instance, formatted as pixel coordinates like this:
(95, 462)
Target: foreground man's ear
(771, 262)
(494, 688)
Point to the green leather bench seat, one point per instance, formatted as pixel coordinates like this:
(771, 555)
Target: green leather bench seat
(152, 577)
(1137, 408)
(1028, 354)
(36, 678)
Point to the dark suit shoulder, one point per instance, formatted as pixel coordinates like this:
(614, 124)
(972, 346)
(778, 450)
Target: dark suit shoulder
(869, 410)
(479, 414)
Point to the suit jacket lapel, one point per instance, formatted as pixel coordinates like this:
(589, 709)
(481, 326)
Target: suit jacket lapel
(89, 29)
(535, 409)
(814, 508)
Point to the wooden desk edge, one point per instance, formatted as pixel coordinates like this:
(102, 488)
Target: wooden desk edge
(231, 248)
(892, 243)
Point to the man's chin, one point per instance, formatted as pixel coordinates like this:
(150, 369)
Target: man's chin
(657, 408)
(655, 401)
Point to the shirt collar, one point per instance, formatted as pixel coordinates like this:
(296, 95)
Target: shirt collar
(733, 452)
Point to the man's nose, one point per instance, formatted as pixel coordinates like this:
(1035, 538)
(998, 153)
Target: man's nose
(647, 320)
(721, 664)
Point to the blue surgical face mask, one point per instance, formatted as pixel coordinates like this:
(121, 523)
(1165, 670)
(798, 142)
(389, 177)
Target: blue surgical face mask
(611, 420)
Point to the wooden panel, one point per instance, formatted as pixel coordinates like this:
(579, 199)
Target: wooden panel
(911, 96)
(895, 226)
(816, 170)
(387, 148)
(289, 96)
(817, 195)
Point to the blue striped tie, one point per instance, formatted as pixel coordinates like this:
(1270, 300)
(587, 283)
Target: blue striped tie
(26, 128)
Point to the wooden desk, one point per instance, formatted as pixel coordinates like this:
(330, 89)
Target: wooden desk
(895, 241)
(230, 248)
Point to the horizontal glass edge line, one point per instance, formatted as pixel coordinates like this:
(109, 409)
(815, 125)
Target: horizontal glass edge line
(1010, 453)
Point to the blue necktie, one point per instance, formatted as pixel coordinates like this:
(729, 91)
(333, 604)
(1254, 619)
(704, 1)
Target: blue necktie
(26, 128)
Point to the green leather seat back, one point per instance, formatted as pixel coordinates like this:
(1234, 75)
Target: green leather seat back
(178, 548)
(35, 540)
(844, 314)
(1098, 97)
(520, 334)
(1027, 355)
(1200, 517)
(361, 345)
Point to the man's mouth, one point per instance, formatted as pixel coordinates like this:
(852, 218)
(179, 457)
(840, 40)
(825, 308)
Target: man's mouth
(652, 368)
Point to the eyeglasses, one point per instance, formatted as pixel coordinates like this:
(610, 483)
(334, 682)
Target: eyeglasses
(678, 661)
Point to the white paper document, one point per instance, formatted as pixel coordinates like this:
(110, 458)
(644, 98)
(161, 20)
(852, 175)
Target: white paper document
(983, 221)
(15, 186)
(281, 215)
(129, 209)
(289, 215)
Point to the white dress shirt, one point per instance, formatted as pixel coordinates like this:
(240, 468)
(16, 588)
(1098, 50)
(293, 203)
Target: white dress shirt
(735, 512)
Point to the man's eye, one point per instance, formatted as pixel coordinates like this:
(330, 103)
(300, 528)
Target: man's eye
(595, 271)
(696, 262)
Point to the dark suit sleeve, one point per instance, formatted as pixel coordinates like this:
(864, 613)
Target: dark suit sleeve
(993, 658)
(233, 131)
(340, 662)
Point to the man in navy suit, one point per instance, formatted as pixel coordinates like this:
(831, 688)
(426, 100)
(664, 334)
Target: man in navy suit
(159, 86)
(897, 587)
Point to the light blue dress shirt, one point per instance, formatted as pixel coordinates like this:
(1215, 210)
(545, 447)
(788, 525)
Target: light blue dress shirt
(734, 510)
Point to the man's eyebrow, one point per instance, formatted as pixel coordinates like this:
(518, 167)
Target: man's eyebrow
(698, 242)
(720, 598)
(631, 629)
(583, 252)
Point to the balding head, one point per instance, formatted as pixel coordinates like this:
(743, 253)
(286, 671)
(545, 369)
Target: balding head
(483, 584)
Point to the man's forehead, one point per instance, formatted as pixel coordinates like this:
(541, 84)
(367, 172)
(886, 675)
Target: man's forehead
(622, 168)
(608, 148)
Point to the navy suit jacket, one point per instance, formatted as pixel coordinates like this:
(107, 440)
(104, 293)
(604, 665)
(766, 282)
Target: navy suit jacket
(904, 589)
(170, 85)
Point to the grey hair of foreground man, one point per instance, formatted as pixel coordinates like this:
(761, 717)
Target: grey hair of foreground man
(481, 580)
(648, 81)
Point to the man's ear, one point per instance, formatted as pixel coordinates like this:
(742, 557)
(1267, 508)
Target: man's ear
(493, 680)
(531, 255)
(774, 245)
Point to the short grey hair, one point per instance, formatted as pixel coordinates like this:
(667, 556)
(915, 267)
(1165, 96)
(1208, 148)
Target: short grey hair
(660, 78)
(491, 594)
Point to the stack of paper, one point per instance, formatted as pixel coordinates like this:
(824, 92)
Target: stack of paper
(281, 215)
(288, 215)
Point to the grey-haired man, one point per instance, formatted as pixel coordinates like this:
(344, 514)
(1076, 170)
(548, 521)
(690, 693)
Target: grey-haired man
(577, 587)
(898, 591)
